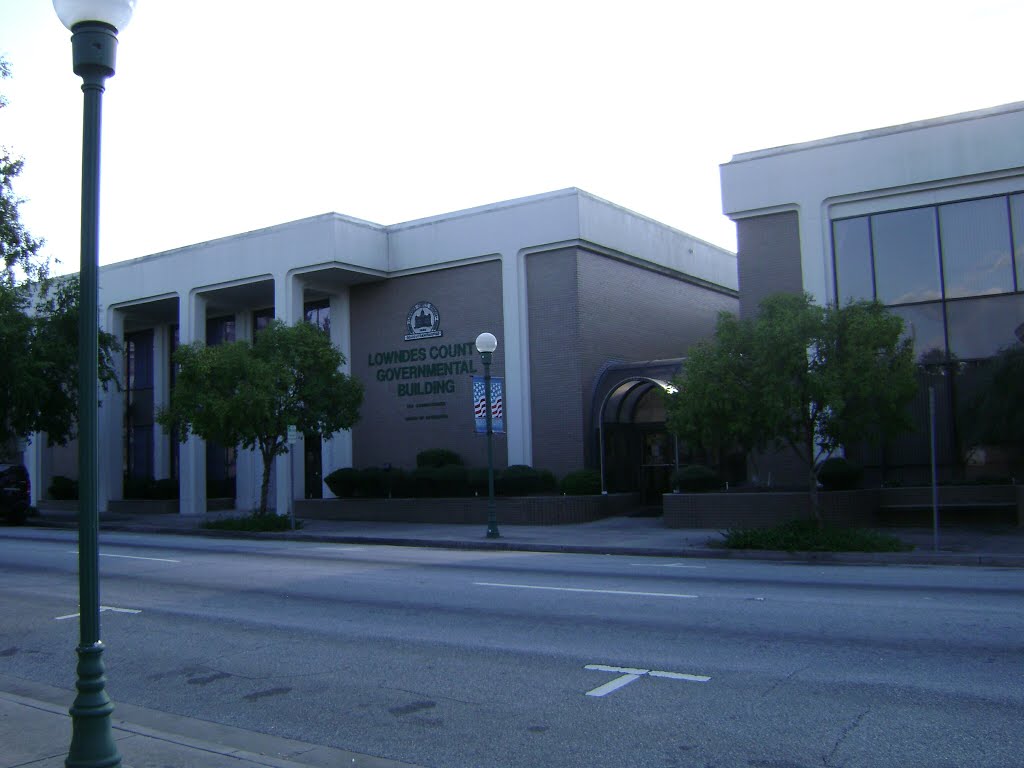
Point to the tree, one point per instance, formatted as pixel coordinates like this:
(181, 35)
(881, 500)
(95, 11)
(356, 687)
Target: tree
(808, 377)
(994, 414)
(38, 328)
(248, 395)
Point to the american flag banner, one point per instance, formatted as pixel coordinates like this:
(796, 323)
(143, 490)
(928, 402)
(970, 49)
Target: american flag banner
(497, 404)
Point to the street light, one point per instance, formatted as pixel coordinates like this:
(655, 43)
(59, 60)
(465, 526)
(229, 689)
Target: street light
(94, 25)
(486, 343)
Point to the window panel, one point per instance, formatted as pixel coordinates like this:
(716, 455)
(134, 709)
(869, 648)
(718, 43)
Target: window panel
(852, 239)
(976, 256)
(906, 256)
(981, 327)
(924, 324)
(1017, 217)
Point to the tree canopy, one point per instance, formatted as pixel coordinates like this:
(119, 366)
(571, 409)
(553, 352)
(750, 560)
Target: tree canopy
(797, 374)
(248, 395)
(38, 328)
(995, 414)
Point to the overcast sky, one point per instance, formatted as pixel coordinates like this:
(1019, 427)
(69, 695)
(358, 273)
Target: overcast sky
(230, 115)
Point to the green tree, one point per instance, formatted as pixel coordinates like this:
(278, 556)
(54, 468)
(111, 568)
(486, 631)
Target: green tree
(994, 413)
(38, 328)
(248, 395)
(808, 377)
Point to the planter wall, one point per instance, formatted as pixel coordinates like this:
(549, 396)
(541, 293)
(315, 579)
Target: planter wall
(521, 510)
(764, 509)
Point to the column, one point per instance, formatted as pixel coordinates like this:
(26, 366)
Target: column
(288, 298)
(338, 451)
(110, 424)
(248, 464)
(518, 413)
(162, 447)
(192, 454)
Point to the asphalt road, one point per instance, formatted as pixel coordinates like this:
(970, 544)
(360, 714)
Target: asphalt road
(477, 659)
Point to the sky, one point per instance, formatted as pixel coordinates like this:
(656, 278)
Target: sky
(227, 116)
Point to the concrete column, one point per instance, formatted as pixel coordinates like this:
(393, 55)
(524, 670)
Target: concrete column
(288, 307)
(192, 455)
(111, 417)
(337, 450)
(162, 447)
(518, 413)
(248, 464)
(34, 458)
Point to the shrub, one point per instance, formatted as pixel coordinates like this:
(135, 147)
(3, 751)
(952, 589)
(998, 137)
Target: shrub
(583, 482)
(63, 488)
(521, 480)
(696, 478)
(343, 482)
(259, 523)
(437, 457)
(808, 536)
(433, 482)
(165, 488)
(838, 474)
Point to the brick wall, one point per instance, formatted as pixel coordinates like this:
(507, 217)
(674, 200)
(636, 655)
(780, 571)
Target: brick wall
(768, 256)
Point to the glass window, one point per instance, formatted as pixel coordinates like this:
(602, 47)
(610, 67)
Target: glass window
(220, 330)
(906, 256)
(924, 324)
(1017, 217)
(981, 327)
(261, 319)
(852, 242)
(976, 256)
(318, 313)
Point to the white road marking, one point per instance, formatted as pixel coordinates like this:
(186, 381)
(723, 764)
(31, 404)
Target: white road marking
(103, 609)
(629, 674)
(591, 591)
(666, 565)
(339, 549)
(132, 557)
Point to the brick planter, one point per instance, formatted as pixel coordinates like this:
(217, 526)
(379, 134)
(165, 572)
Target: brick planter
(764, 509)
(520, 510)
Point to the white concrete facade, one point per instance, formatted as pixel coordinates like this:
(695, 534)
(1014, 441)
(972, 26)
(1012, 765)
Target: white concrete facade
(964, 156)
(325, 256)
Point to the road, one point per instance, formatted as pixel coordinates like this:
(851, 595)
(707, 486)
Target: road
(456, 659)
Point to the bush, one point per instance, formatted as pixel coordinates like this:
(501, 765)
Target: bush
(583, 482)
(434, 482)
(436, 458)
(807, 536)
(696, 478)
(343, 482)
(258, 523)
(521, 480)
(838, 474)
(63, 488)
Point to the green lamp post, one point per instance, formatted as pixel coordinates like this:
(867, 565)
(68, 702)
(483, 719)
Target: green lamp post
(486, 343)
(94, 25)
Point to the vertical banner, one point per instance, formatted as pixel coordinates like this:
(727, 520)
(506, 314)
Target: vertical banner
(497, 404)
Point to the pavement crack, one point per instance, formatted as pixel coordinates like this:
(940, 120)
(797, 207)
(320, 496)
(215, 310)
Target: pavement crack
(850, 728)
(779, 683)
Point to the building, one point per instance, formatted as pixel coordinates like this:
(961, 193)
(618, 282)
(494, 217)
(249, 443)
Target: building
(927, 217)
(570, 284)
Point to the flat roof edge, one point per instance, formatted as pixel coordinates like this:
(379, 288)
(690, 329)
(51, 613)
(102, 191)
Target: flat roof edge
(1003, 109)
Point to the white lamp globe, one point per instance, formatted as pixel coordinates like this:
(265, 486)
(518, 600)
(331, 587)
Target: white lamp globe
(486, 342)
(116, 13)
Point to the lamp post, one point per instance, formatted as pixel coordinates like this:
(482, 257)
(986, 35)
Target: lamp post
(486, 343)
(94, 25)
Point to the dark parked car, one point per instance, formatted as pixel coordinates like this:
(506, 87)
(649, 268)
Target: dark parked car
(15, 495)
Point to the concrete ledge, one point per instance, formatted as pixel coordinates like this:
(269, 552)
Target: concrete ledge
(519, 510)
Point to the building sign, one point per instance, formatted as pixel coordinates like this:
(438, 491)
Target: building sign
(497, 404)
(424, 370)
(423, 322)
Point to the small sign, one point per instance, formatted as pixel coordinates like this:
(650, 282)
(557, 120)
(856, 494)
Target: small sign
(293, 434)
(423, 322)
(497, 405)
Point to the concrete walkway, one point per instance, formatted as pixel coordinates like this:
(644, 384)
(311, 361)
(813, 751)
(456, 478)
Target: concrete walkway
(35, 729)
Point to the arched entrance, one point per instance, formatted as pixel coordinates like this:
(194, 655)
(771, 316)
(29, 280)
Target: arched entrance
(635, 450)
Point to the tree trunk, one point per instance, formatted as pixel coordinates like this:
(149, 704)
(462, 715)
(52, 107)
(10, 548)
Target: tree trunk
(265, 485)
(812, 479)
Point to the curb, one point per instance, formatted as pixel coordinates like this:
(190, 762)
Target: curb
(989, 560)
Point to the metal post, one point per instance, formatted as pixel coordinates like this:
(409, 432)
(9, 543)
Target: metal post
(94, 46)
(492, 513)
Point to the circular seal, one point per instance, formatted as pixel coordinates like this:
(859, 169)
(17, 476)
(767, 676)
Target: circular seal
(423, 320)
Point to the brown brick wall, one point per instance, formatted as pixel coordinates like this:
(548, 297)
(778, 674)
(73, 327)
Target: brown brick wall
(395, 427)
(768, 256)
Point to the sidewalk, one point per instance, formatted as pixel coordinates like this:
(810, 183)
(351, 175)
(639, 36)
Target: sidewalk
(998, 546)
(35, 730)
